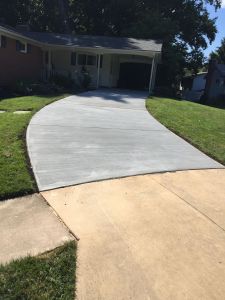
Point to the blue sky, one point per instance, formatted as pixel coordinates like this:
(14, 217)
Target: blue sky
(220, 27)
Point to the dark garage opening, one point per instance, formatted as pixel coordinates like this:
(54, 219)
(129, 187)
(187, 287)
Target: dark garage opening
(134, 76)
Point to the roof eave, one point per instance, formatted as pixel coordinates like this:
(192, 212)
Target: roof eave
(102, 50)
(45, 45)
(19, 36)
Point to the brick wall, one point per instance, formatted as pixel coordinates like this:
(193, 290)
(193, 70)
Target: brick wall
(15, 65)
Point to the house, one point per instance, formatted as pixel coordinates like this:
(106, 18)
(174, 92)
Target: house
(208, 86)
(215, 82)
(199, 81)
(194, 86)
(110, 61)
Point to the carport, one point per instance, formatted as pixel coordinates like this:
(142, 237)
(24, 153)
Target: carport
(121, 69)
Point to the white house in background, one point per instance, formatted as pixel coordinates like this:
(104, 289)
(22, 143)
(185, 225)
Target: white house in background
(111, 62)
(211, 84)
(215, 82)
(199, 82)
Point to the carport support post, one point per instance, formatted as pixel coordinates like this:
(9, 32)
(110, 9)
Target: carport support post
(152, 76)
(98, 75)
(49, 63)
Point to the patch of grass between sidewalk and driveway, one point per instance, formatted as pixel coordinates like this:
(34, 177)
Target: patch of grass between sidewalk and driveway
(48, 276)
(200, 125)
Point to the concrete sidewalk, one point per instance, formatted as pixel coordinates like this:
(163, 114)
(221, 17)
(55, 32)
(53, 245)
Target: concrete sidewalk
(152, 237)
(28, 226)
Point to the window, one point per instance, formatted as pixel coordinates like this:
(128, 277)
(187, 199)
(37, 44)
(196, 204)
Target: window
(3, 41)
(91, 60)
(73, 58)
(82, 59)
(21, 47)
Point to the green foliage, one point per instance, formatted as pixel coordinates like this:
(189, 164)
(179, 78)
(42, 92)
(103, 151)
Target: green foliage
(22, 87)
(84, 79)
(48, 276)
(63, 81)
(26, 87)
(219, 54)
(201, 125)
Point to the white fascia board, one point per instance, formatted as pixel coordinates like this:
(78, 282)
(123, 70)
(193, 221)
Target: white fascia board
(14, 35)
(100, 50)
(97, 50)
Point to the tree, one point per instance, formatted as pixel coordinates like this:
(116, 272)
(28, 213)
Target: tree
(219, 54)
(184, 25)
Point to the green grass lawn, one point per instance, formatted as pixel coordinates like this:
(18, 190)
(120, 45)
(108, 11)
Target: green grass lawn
(15, 174)
(201, 125)
(49, 276)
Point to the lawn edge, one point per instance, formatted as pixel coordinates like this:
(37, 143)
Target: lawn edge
(29, 168)
(183, 137)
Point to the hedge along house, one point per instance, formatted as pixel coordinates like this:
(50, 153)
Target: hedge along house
(110, 61)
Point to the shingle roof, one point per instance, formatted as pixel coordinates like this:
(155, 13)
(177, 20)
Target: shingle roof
(90, 41)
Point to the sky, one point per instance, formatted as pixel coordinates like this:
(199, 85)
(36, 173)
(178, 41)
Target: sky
(220, 27)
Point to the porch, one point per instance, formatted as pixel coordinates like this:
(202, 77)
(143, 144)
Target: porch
(106, 69)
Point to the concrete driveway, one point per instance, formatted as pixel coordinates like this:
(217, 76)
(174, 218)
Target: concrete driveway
(101, 135)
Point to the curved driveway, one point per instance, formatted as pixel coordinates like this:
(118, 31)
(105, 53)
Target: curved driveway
(104, 134)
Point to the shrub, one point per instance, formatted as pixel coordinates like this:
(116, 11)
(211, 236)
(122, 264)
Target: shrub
(219, 101)
(22, 87)
(43, 88)
(6, 92)
(165, 91)
(63, 81)
(84, 79)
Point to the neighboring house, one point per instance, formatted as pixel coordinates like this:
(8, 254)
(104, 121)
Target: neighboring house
(199, 82)
(195, 87)
(208, 85)
(110, 61)
(215, 82)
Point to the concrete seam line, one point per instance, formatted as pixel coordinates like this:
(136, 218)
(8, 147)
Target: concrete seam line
(92, 127)
(45, 189)
(189, 204)
(59, 218)
(103, 107)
